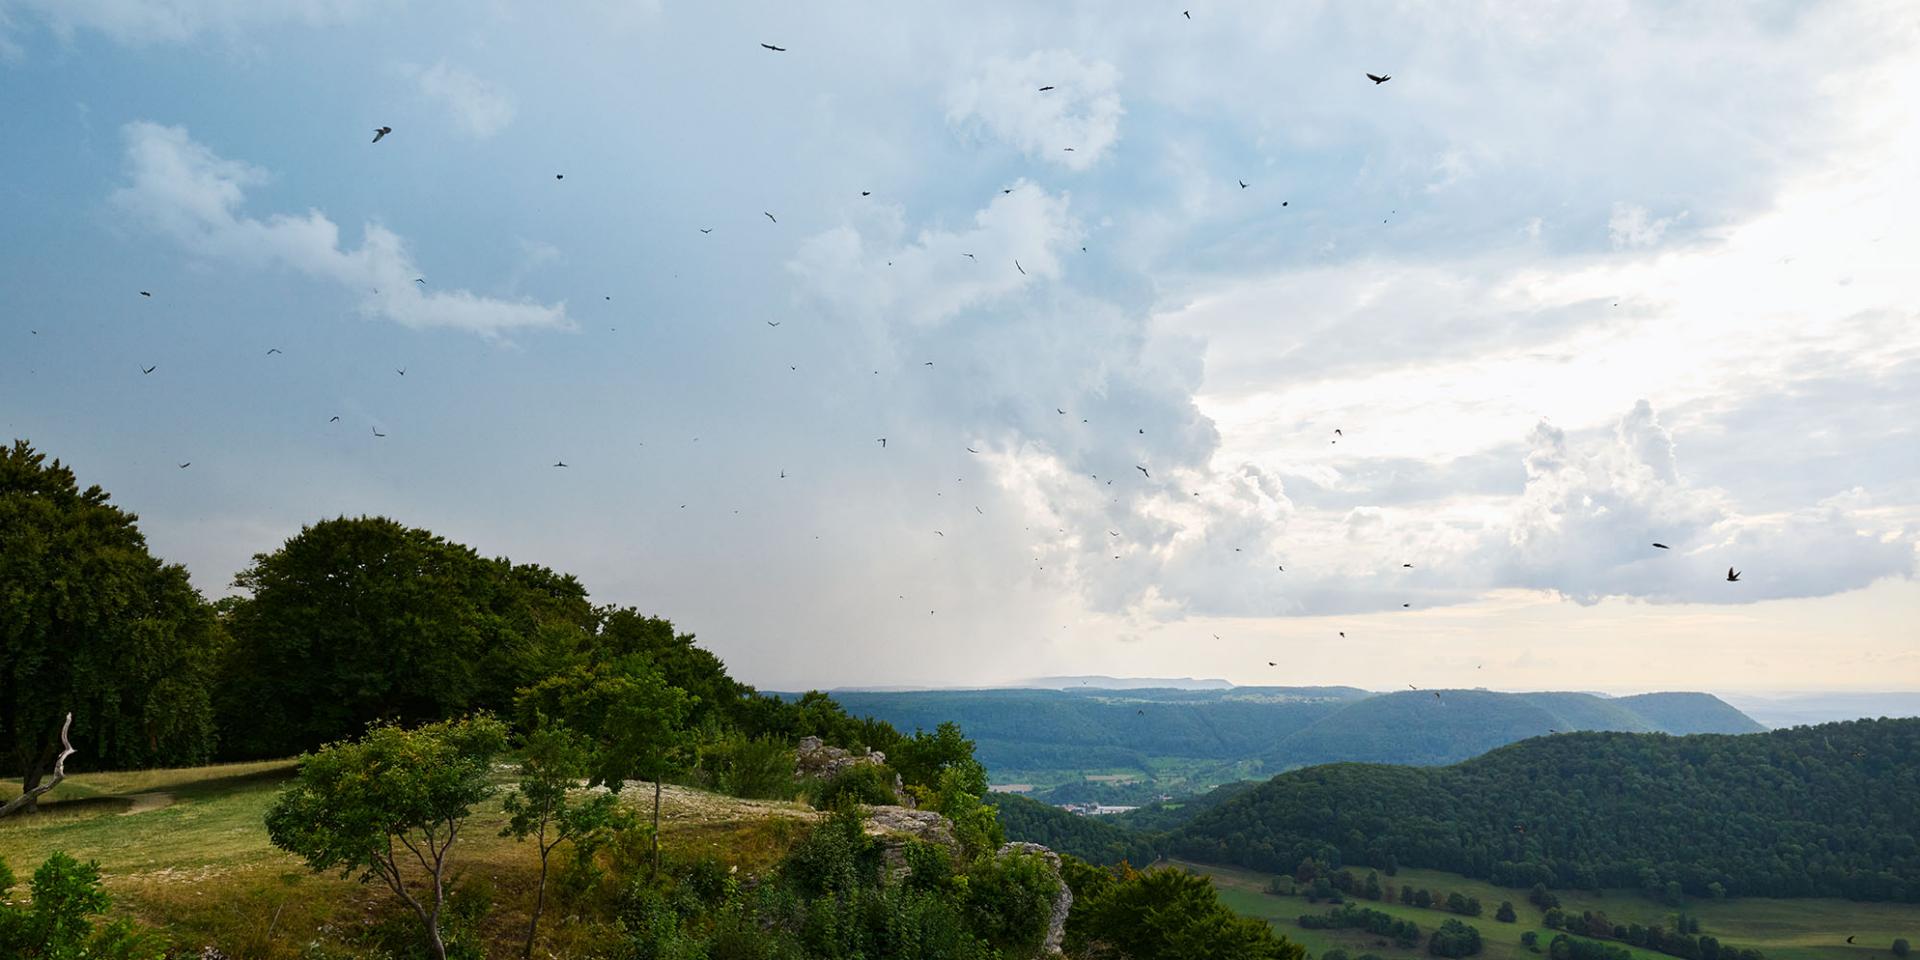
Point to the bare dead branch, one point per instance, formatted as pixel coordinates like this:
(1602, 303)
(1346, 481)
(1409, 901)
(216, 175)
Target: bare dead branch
(59, 773)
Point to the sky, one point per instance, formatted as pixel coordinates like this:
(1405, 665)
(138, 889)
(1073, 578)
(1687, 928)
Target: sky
(1209, 354)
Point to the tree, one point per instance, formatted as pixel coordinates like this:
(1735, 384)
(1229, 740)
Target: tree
(93, 625)
(635, 720)
(1506, 914)
(1900, 947)
(360, 620)
(554, 759)
(1372, 889)
(1454, 939)
(1166, 915)
(353, 801)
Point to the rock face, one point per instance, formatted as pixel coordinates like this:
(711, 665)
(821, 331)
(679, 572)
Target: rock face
(1062, 901)
(896, 827)
(813, 758)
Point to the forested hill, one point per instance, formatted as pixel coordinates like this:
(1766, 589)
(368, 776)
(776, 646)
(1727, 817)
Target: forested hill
(1831, 810)
(1284, 727)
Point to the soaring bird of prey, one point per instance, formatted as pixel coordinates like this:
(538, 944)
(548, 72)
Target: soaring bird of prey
(775, 49)
(1377, 79)
(972, 450)
(866, 193)
(1045, 89)
(189, 463)
(400, 370)
(1270, 663)
(773, 323)
(1017, 266)
(970, 256)
(706, 229)
(376, 431)
(1407, 565)
(559, 176)
(1343, 634)
(1663, 546)
(1243, 184)
(929, 363)
(147, 370)
(1406, 604)
(1187, 13)
(938, 534)
(882, 441)
(769, 216)
(380, 133)
(1143, 471)
(559, 463)
(333, 419)
(1733, 576)
(273, 350)
(423, 280)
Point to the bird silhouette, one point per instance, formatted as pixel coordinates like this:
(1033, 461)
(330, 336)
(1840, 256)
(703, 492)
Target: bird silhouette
(423, 280)
(706, 229)
(559, 176)
(376, 431)
(775, 49)
(400, 370)
(1343, 633)
(1187, 13)
(273, 350)
(1143, 471)
(769, 216)
(1059, 411)
(1270, 663)
(380, 133)
(1045, 89)
(333, 419)
(783, 473)
(1407, 565)
(1733, 576)
(866, 193)
(972, 450)
(1377, 79)
(882, 441)
(189, 463)
(1243, 184)
(773, 323)
(559, 463)
(147, 370)
(1663, 546)
(1017, 266)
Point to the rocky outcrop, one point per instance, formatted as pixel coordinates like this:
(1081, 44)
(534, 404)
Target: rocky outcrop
(895, 827)
(1062, 901)
(814, 759)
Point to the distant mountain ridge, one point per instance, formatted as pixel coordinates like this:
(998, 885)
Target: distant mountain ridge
(1272, 728)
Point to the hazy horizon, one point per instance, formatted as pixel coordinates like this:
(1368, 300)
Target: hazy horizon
(1572, 282)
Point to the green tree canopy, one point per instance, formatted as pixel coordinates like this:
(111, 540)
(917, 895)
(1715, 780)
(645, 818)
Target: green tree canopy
(390, 806)
(92, 623)
(364, 619)
(1165, 915)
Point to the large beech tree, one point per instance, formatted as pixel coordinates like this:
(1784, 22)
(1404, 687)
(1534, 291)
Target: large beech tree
(93, 624)
(355, 620)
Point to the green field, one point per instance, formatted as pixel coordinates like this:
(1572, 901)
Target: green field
(1781, 929)
(186, 851)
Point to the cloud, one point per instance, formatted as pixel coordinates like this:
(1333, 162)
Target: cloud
(141, 22)
(478, 107)
(1071, 125)
(182, 189)
(1632, 226)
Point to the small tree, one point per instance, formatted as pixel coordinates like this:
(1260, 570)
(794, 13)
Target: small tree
(555, 760)
(1900, 947)
(1505, 914)
(354, 801)
(634, 718)
(59, 922)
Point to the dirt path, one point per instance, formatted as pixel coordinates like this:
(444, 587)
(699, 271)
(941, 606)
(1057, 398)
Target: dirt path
(143, 802)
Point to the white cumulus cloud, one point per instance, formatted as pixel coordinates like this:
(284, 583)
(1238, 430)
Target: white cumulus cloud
(181, 188)
(1072, 124)
(478, 107)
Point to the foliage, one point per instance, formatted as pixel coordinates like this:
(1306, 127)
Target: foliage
(92, 623)
(1454, 939)
(359, 620)
(757, 768)
(1008, 900)
(1900, 947)
(1830, 810)
(355, 800)
(1090, 838)
(1166, 915)
(542, 806)
(868, 783)
(1505, 914)
(58, 924)
(1405, 933)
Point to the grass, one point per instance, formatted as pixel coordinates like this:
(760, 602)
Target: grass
(1804, 929)
(202, 869)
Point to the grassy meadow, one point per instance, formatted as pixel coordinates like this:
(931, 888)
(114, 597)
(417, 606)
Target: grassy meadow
(187, 850)
(1782, 929)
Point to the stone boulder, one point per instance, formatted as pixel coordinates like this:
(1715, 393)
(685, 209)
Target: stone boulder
(895, 827)
(814, 759)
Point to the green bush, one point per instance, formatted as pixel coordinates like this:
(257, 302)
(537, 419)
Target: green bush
(868, 783)
(757, 768)
(59, 923)
(1009, 899)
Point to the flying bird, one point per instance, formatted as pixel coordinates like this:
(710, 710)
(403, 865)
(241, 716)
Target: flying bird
(273, 350)
(422, 280)
(706, 229)
(559, 463)
(1377, 79)
(559, 176)
(1407, 565)
(1143, 471)
(938, 534)
(1017, 266)
(376, 432)
(1733, 575)
(1187, 13)
(866, 193)
(1059, 411)
(1243, 184)
(1663, 546)
(769, 216)
(400, 370)
(783, 473)
(1270, 663)
(972, 450)
(969, 256)
(1045, 89)
(379, 133)
(147, 370)
(882, 441)
(773, 323)
(333, 419)
(775, 49)
(189, 463)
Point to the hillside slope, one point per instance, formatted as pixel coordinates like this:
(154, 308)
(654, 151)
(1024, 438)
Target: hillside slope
(1832, 810)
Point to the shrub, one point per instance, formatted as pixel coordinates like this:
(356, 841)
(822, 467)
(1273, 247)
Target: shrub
(59, 923)
(1454, 939)
(757, 768)
(867, 783)
(1009, 899)
(1900, 947)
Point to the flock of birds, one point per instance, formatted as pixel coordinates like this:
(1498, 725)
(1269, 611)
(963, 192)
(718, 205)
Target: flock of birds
(382, 132)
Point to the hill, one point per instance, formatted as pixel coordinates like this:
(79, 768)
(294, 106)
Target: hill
(1184, 741)
(1830, 810)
